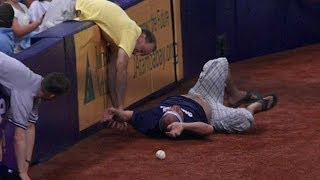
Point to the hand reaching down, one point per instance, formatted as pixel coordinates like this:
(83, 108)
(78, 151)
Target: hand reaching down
(114, 114)
(122, 126)
(117, 118)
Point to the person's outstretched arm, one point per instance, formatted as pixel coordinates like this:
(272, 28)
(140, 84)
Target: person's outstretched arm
(117, 77)
(119, 115)
(175, 129)
(121, 84)
(117, 118)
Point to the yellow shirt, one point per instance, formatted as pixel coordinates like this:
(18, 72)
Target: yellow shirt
(117, 27)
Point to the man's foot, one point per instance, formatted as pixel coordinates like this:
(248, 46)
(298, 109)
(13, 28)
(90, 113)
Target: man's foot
(245, 98)
(264, 104)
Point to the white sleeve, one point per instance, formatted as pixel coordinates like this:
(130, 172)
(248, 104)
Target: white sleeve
(36, 10)
(21, 107)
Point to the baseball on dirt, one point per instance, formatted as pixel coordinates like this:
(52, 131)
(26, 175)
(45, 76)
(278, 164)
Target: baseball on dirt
(161, 154)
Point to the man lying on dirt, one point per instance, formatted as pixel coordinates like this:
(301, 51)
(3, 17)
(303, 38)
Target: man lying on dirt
(200, 112)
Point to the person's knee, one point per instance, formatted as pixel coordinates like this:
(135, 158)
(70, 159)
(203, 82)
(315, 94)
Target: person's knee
(19, 134)
(216, 69)
(222, 63)
(243, 123)
(238, 122)
(243, 126)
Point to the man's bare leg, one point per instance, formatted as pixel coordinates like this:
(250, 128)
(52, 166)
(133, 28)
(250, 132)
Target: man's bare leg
(232, 92)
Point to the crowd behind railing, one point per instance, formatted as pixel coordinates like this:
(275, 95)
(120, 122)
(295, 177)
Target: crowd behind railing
(19, 21)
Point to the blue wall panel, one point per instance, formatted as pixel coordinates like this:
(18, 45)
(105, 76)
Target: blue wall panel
(198, 36)
(303, 25)
(242, 29)
(226, 29)
(66, 29)
(260, 27)
(58, 123)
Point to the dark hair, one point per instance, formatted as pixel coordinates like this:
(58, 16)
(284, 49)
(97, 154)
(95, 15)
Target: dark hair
(150, 37)
(6, 15)
(56, 83)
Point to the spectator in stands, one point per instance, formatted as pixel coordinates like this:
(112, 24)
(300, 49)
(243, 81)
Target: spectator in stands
(200, 112)
(123, 35)
(26, 2)
(22, 28)
(6, 34)
(36, 11)
(26, 90)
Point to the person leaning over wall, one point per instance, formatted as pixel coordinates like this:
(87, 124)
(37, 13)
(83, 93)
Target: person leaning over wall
(26, 90)
(123, 36)
(6, 33)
